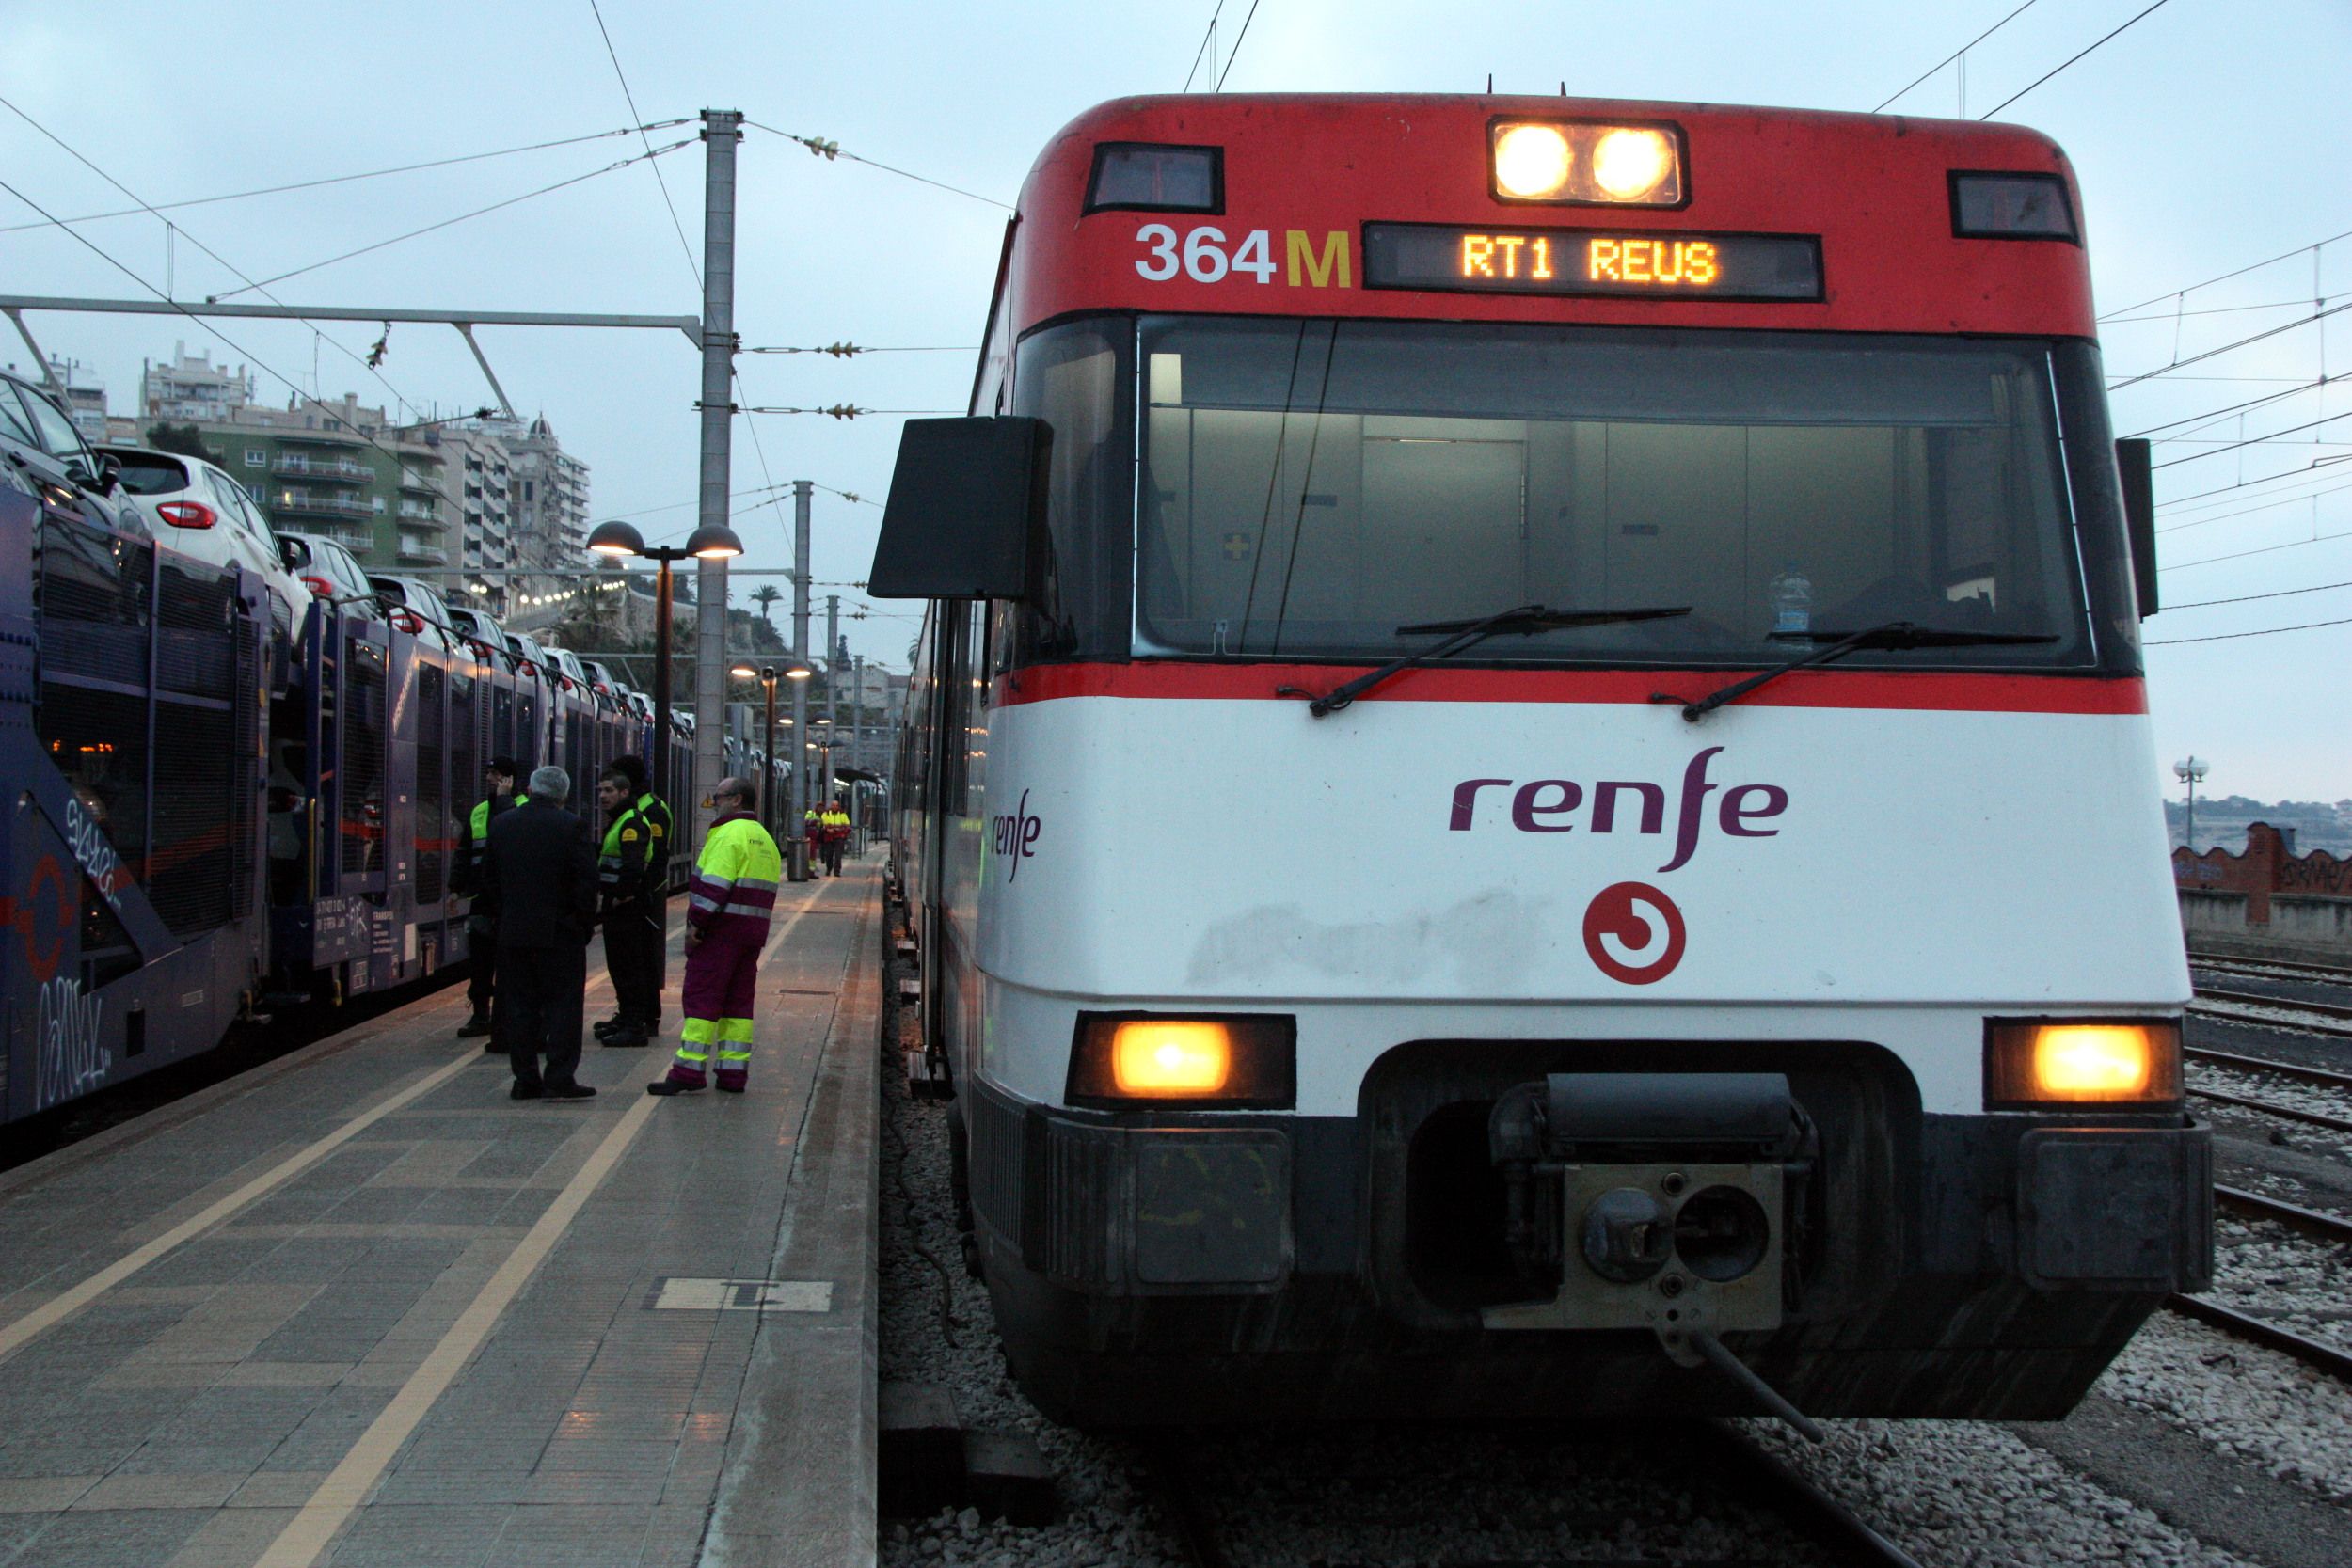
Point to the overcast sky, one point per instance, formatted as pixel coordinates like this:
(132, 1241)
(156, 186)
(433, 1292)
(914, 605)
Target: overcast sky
(2208, 136)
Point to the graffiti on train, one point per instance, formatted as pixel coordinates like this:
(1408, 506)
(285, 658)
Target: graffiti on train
(68, 1043)
(96, 857)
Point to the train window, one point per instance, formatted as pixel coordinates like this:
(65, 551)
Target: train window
(1311, 487)
(1074, 378)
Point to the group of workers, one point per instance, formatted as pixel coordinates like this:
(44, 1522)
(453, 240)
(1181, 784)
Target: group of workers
(542, 883)
(827, 830)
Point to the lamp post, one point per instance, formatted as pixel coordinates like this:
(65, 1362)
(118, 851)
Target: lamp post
(795, 842)
(767, 675)
(2191, 771)
(713, 541)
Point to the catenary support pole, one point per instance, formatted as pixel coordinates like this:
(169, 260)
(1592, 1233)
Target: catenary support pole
(833, 684)
(721, 130)
(801, 491)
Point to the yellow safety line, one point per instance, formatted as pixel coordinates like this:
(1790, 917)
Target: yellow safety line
(347, 1486)
(16, 1335)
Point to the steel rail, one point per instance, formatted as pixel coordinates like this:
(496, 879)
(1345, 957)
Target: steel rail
(2313, 1222)
(2308, 1118)
(1843, 1534)
(2310, 1023)
(2296, 1071)
(2327, 1359)
(2331, 973)
(2325, 1010)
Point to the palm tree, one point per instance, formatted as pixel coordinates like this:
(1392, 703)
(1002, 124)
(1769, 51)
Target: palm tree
(765, 596)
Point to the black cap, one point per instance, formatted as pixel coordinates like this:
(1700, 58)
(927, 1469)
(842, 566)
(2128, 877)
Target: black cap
(506, 765)
(630, 768)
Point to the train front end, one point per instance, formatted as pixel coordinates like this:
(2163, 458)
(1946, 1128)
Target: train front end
(1535, 795)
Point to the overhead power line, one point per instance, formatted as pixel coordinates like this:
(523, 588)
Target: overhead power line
(370, 363)
(615, 56)
(2225, 348)
(2248, 598)
(2266, 549)
(846, 351)
(2291, 474)
(851, 411)
(2069, 60)
(1239, 38)
(829, 151)
(2215, 311)
(2225, 412)
(341, 178)
(1958, 52)
(461, 217)
(2254, 266)
(2309, 424)
(2234, 636)
(248, 355)
(1206, 38)
(2250, 511)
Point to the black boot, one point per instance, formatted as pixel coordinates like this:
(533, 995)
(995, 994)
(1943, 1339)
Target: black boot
(476, 1026)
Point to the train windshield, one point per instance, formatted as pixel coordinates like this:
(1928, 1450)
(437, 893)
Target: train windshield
(1308, 488)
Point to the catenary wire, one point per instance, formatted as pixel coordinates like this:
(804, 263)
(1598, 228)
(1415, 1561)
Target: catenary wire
(1234, 53)
(1197, 53)
(1958, 52)
(2248, 598)
(341, 178)
(2217, 310)
(400, 399)
(2249, 511)
(2179, 501)
(829, 151)
(204, 325)
(615, 56)
(461, 217)
(2225, 348)
(2253, 267)
(2268, 436)
(2225, 412)
(2234, 636)
(2266, 549)
(2069, 60)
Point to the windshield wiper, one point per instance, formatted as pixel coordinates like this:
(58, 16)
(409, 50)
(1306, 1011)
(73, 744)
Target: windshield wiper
(1890, 634)
(1523, 619)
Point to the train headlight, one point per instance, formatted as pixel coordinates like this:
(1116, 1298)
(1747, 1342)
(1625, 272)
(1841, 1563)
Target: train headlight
(2035, 1062)
(1224, 1061)
(1586, 163)
(1628, 163)
(1531, 161)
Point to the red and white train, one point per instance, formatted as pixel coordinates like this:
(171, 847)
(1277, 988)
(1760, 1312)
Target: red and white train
(1529, 787)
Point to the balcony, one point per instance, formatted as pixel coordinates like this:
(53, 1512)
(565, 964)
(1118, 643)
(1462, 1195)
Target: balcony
(412, 481)
(423, 517)
(413, 553)
(307, 503)
(341, 470)
(318, 437)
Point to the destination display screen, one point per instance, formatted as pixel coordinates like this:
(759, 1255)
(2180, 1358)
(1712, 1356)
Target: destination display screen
(1591, 261)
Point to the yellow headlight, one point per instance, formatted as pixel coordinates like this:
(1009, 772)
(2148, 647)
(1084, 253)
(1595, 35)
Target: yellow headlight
(1630, 163)
(1157, 1056)
(2060, 1061)
(1530, 160)
(2092, 1061)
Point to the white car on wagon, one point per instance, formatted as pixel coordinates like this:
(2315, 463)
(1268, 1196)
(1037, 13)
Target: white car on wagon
(195, 508)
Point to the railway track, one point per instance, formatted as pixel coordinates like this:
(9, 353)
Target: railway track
(2280, 969)
(2322, 1017)
(2328, 1228)
(1731, 1460)
(2266, 1067)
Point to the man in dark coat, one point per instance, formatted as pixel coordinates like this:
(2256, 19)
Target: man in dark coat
(539, 872)
(482, 927)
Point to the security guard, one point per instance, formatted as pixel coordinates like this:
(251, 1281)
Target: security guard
(629, 874)
(731, 901)
(482, 920)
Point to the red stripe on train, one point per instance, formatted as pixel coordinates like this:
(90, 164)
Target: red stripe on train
(1922, 691)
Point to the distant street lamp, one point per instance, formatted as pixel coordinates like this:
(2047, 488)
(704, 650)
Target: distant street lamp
(713, 541)
(767, 675)
(2190, 771)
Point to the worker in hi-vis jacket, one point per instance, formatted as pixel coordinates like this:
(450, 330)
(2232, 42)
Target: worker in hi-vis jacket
(729, 904)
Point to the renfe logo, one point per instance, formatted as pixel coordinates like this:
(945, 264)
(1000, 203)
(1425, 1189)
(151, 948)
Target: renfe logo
(1015, 836)
(1545, 805)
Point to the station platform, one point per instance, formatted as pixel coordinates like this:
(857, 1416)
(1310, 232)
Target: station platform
(356, 1307)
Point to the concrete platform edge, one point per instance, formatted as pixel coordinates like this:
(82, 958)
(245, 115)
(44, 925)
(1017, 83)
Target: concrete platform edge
(799, 1483)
